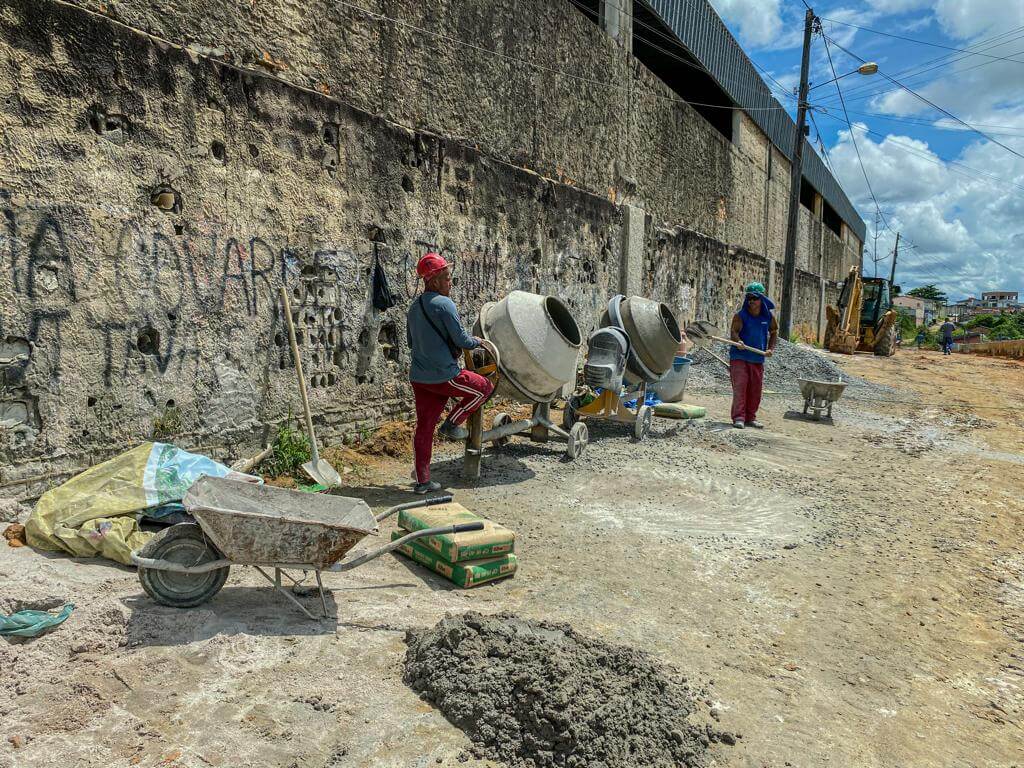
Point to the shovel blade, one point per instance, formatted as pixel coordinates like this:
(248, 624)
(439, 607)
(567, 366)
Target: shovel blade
(322, 472)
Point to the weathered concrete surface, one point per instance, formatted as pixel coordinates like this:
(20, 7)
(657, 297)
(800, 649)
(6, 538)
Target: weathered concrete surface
(165, 169)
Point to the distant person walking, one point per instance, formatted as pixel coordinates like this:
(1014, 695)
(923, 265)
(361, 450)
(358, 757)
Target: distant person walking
(946, 329)
(435, 335)
(920, 339)
(755, 326)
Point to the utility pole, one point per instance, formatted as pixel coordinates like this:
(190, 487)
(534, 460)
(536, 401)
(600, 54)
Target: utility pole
(895, 253)
(789, 266)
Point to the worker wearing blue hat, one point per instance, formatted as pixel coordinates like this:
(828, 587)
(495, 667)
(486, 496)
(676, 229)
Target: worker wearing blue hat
(755, 326)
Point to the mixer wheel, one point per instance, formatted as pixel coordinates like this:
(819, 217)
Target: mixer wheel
(642, 425)
(579, 436)
(500, 419)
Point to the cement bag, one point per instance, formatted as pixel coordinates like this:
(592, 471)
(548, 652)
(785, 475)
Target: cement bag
(93, 514)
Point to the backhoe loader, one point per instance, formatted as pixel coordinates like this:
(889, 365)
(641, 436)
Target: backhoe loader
(864, 320)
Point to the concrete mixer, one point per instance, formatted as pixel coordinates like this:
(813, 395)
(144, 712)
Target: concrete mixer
(531, 344)
(634, 348)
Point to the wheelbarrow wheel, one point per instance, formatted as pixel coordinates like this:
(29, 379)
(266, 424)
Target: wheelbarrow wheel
(184, 544)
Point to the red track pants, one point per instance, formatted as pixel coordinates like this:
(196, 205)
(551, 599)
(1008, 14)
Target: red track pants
(747, 381)
(470, 389)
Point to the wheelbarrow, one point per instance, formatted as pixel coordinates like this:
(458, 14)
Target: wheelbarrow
(238, 523)
(820, 395)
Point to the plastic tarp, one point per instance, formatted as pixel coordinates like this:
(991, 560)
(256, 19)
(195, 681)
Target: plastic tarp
(94, 514)
(32, 623)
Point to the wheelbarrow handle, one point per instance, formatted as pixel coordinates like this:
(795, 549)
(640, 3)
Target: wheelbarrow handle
(414, 505)
(373, 554)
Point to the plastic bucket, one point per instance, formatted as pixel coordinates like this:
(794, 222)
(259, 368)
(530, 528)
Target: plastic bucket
(672, 386)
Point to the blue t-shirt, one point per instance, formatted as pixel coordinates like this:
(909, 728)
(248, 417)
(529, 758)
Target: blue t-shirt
(756, 332)
(432, 358)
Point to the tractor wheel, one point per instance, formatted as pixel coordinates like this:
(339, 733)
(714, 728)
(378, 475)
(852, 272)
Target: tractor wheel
(886, 345)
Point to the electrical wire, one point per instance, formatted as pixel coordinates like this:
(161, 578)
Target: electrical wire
(919, 96)
(939, 62)
(922, 42)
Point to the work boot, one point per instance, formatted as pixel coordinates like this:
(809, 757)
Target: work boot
(451, 431)
(427, 487)
(753, 424)
(738, 423)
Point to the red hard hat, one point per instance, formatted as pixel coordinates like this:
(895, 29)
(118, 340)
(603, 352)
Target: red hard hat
(430, 264)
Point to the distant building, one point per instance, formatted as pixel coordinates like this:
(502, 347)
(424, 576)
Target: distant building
(999, 300)
(911, 306)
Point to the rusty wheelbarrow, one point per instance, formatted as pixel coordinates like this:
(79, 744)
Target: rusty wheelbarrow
(239, 523)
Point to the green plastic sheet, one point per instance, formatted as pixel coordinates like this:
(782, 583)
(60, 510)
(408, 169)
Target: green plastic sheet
(33, 623)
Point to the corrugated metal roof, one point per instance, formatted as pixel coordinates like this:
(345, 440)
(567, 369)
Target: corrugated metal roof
(701, 31)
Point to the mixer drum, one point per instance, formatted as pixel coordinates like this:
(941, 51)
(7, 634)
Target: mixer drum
(539, 342)
(653, 332)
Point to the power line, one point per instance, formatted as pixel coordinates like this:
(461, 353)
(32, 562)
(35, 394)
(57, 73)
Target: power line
(922, 98)
(939, 62)
(923, 42)
(949, 164)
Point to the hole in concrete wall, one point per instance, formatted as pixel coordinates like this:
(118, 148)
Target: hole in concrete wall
(254, 151)
(172, 317)
(535, 257)
(279, 339)
(331, 379)
(179, 229)
(148, 341)
(166, 198)
(219, 151)
(300, 337)
(331, 134)
(337, 315)
(112, 127)
(339, 358)
(831, 219)
(90, 402)
(806, 195)
(388, 340)
(169, 404)
(407, 184)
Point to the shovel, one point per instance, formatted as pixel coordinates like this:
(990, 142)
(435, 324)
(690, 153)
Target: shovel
(703, 333)
(319, 469)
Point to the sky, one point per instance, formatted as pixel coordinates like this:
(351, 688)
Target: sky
(956, 197)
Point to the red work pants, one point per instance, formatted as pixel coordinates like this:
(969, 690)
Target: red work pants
(470, 389)
(747, 381)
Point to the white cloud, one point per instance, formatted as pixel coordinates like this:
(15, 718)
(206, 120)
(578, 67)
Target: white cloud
(968, 230)
(965, 19)
(759, 22)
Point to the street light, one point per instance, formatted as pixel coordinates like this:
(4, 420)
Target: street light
(867, 68)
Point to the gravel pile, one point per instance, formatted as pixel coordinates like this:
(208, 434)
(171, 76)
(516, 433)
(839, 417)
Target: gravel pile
(539, 694)
(781, 371)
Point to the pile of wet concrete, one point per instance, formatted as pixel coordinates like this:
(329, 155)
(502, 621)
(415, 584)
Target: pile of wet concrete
(539, 694)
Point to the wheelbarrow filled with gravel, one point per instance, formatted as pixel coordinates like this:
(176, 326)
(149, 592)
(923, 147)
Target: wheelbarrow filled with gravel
(238, 523)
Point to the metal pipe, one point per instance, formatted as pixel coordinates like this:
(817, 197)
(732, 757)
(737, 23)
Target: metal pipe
(507, 430)
(414, 505)
(167, 565)
(373, 554)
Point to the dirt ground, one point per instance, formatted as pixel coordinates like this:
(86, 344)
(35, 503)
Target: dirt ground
(851, 593)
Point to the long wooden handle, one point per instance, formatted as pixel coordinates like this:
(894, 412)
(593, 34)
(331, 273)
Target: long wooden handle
(738, 345)
(298, 372)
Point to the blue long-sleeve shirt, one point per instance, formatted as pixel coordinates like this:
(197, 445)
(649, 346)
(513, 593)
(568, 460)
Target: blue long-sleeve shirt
(432, 359)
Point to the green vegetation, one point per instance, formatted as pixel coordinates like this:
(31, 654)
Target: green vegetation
(929, 292)
(1001, 326)
(291, 451)
(167, 424)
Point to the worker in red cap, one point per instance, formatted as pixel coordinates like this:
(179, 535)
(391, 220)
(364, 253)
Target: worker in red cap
(436, 336)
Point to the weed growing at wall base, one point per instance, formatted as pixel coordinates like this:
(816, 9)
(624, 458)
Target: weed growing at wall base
(291, 451)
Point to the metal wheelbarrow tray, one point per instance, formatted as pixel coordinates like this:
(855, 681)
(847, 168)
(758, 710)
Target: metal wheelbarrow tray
(239, 523)
(820, 395)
